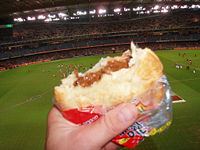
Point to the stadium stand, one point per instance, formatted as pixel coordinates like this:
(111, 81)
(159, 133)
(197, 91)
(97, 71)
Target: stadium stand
(42, 41)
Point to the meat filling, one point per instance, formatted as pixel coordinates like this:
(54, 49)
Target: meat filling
(91, 77)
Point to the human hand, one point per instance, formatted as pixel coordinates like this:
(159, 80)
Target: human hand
(63, 135)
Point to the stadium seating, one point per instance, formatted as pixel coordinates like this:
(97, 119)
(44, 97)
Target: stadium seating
(156, 32)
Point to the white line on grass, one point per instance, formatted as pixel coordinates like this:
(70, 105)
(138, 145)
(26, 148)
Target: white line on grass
(184, 80)
(179, 101)
(26, 101)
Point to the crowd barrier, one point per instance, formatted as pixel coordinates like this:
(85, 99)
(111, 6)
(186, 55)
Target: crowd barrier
(2, 69)
(25, 64)
(180, 48)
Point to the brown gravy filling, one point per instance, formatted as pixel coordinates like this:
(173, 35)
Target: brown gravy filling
(91, 77)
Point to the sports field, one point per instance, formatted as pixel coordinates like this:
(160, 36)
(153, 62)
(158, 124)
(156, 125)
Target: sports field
(26, 96)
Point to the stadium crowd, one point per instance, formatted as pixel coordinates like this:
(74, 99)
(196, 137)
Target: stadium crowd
(15, 62)
(36, 30)
(12, 56)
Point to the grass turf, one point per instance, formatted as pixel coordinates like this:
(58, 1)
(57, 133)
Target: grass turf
(26, 96)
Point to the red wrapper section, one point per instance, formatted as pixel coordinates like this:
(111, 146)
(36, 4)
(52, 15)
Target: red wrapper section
(128, 141)
(129, 138)
(132, 136)
(81, 117)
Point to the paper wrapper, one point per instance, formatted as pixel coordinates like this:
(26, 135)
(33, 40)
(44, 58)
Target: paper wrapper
(153, 118)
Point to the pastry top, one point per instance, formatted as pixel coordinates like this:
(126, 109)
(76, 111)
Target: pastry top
(112, 81)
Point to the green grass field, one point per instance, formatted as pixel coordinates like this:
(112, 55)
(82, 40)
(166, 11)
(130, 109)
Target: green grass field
(26, 96)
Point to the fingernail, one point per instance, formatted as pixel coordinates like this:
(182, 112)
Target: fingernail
(127, 112)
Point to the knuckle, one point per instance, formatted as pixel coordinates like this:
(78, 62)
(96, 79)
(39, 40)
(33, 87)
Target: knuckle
(111, 125)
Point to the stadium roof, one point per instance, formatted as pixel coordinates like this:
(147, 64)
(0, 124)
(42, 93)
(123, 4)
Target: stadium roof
(27, 7)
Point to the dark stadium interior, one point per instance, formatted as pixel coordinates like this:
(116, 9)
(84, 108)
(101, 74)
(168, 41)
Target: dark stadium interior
(32, 6)
(64, 32)
(28, 37)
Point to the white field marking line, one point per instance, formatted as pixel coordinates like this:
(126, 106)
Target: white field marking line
(26, 101)
(184, 80)
(179, 101)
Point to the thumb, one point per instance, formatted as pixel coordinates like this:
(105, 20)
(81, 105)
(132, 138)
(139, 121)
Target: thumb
(111, 124)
